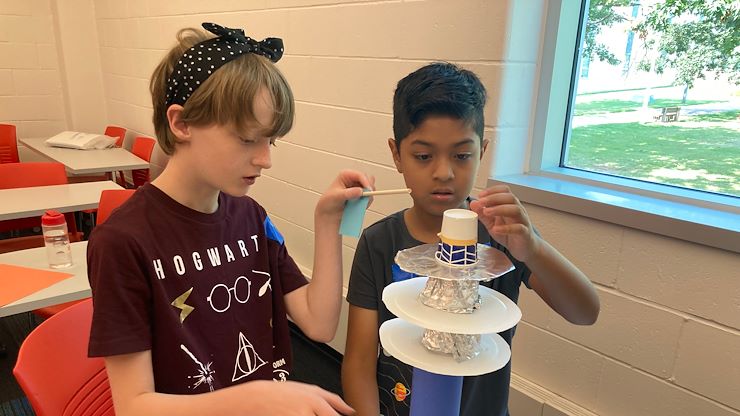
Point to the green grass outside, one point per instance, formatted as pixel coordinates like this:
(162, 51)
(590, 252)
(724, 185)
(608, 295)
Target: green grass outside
(619, 106)
(721, 116)
(637, 150)
(623, 90)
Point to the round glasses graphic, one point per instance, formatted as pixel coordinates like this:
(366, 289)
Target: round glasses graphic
(220, 297)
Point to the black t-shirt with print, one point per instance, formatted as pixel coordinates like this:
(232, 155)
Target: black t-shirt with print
(203, 292)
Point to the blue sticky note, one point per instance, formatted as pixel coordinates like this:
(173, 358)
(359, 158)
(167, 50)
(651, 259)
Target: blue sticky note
(354, 213)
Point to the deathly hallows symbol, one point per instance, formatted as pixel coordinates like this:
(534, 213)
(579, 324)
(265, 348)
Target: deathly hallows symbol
(247, 360)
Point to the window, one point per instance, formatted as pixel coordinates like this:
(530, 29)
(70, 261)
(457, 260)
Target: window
(617, 134)
(662, 106)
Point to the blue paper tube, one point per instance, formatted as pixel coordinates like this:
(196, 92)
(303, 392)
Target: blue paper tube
(435, 394)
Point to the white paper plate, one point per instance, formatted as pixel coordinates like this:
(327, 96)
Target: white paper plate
(497, 312)
(403, 341)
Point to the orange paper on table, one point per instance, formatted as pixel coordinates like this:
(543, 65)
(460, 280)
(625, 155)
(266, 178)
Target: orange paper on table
(17, 282)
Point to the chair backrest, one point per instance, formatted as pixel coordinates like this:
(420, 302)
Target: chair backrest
(142, 148)
(56, 374)
(8, 144)
(109, 200)
(29, 174)
(118, 132)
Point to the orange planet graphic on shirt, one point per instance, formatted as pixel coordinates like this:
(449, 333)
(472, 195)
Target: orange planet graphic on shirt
(400, 392)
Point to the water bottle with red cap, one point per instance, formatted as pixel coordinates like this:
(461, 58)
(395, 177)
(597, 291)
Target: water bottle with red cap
(56, 239)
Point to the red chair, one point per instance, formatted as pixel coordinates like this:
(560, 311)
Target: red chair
(29, 174)
(120, 133)
(56, 374)
(109, 200)
(8, 144)
(143, 147)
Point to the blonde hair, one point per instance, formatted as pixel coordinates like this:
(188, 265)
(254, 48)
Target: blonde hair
(226, 97)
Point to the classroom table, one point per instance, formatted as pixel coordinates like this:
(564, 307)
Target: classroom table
(83, 162)
(73, 288)
(34, 201)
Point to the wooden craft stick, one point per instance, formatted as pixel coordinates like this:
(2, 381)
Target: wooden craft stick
(387, 192)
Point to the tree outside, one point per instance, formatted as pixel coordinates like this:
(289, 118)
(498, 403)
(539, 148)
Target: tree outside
(672, 112)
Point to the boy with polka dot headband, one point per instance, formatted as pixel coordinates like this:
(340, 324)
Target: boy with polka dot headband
(192, 283)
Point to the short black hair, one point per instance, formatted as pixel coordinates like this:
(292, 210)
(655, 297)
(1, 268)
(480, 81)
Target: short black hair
(438, 89)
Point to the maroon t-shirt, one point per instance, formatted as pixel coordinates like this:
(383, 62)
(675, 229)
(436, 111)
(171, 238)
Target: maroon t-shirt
(203, 292)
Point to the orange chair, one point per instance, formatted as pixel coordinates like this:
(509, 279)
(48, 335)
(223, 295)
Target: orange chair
(29, 174)
(120, 133)
(143, 147)
(56, 374)
(109, 200)
(8, 144)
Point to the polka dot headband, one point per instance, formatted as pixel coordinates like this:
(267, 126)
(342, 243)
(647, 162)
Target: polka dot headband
(200, 61)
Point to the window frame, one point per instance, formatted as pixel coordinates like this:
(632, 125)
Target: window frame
(691, 215)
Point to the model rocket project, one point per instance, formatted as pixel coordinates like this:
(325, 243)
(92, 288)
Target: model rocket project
(448, 324)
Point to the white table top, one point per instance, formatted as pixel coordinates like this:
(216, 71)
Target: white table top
(34, 201)
(79, 162)
(73, 288)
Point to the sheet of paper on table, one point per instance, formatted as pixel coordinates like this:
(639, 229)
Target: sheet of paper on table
(17, 282)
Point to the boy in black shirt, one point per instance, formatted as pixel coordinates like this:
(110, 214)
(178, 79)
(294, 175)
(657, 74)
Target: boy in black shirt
(438, 145)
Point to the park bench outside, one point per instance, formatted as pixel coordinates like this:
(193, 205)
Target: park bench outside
(668, 114)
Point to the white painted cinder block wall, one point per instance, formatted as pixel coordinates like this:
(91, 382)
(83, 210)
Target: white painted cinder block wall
(668, 337)
(30, 81)
(50, 74)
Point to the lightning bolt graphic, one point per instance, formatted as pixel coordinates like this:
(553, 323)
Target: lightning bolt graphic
(179, 303)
